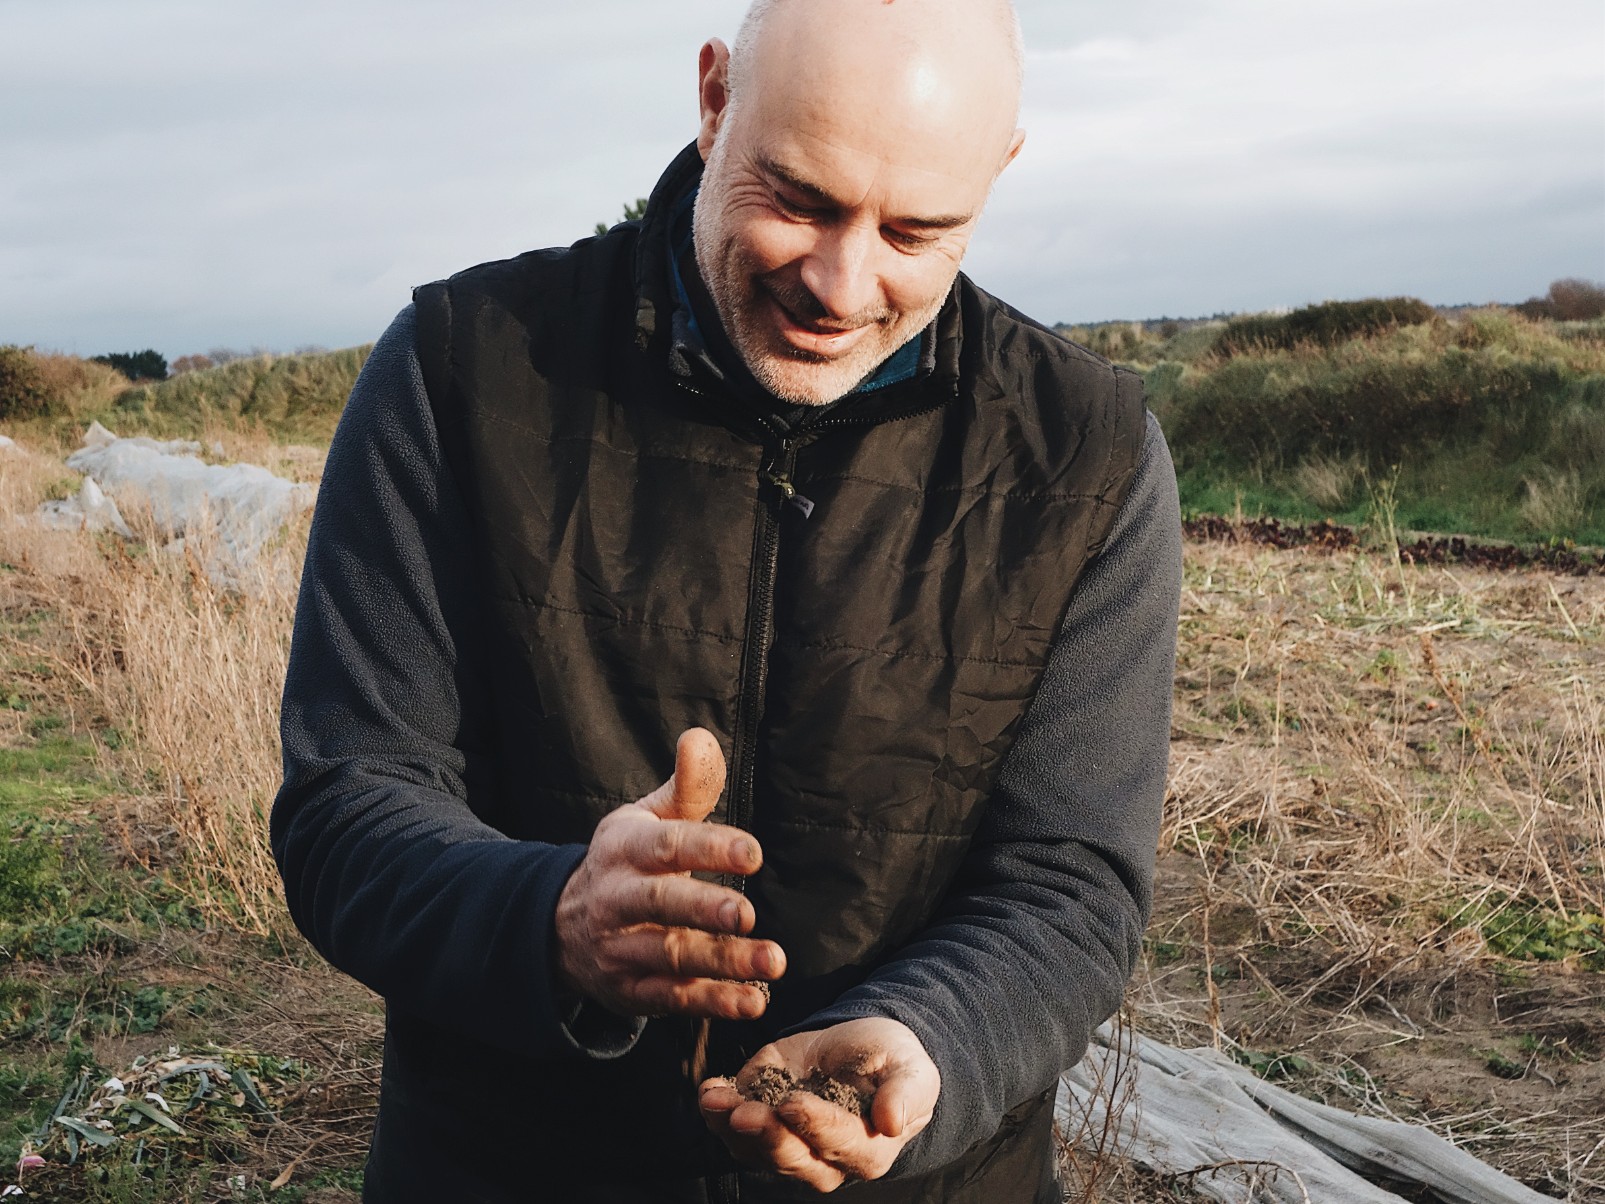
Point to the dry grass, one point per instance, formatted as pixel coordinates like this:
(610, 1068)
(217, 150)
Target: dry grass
(80, 386)
(188, 675)
(1329, 481)
(1386, 813)
(1556, 500)
(197, 673)
(1386, 809)
(1382, 760)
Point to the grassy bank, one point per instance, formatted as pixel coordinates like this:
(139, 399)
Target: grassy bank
(277, 398)
(293, 397)
(1486, 423)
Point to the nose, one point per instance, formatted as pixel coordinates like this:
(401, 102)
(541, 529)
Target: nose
(840, 271)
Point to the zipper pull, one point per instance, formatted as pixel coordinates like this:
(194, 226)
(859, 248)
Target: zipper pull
(788, 493)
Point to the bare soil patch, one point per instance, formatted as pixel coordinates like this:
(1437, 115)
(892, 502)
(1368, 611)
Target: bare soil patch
(1382, 874)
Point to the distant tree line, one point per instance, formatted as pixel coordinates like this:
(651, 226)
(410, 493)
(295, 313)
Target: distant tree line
(136, 365)
(1569, 300)
(1324, 325)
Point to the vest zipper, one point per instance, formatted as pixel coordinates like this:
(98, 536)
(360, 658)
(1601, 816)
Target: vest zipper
(775, 471)
(760, 626)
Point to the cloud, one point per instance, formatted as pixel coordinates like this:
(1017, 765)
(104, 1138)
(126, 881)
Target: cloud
(1098, 50)
(184, 174)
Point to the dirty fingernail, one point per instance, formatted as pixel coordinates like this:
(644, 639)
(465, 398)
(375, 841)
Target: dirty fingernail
(730, 915)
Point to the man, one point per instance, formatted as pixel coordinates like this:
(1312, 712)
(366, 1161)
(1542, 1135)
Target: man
(761, 489)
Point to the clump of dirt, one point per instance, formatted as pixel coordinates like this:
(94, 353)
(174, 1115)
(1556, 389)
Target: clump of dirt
(835, 1091)
(772, 1084)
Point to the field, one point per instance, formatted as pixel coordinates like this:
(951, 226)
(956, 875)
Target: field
(1381, 881)
(1382, 876)
(1484, 422)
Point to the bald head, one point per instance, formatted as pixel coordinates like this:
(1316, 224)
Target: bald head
(971, 50)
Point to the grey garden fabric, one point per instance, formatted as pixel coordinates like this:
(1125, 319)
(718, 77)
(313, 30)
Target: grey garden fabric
(1195, 1109)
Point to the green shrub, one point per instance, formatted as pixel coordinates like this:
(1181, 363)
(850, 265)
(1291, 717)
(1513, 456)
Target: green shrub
(1569, 300)
(136, 365)
(1325, 325)
(30, 870)
(23, 390)
(1275, 411)
(298, 396)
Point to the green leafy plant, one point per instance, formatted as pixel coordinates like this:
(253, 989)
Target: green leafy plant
(30, 870)
(1502, 1067)
(24, 392)
(632, 213)
(1273, 1066)
(1526, 932)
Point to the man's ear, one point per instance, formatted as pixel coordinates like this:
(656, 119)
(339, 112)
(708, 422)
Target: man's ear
(713, 91)
(1015, 144)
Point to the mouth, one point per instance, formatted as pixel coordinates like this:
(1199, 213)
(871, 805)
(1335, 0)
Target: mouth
(817, 340)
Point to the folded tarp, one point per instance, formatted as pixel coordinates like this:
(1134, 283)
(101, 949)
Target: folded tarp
(1239, 1139)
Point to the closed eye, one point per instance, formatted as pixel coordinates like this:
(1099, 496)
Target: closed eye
(797, 209)
(904, 238)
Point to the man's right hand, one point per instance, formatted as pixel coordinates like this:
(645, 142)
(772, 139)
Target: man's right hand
(640, 936)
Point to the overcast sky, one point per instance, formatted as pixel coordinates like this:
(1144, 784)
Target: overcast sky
(189, 174)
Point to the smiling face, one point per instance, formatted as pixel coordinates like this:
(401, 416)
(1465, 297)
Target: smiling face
(843, 183)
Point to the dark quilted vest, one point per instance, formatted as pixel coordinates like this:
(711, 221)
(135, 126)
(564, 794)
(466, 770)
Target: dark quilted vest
(864, 667)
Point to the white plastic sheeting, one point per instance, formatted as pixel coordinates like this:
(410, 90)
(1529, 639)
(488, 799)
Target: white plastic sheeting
(87, 510)
(1242, 1140)
(240, 507)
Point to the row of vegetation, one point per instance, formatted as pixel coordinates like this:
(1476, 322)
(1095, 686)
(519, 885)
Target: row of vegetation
(1486, 422)
(286, 397)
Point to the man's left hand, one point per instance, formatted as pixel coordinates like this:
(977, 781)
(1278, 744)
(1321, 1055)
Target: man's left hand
(822, 1144)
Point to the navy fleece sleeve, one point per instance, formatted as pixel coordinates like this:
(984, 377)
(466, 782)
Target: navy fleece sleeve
(386, 870)
(1040, 932)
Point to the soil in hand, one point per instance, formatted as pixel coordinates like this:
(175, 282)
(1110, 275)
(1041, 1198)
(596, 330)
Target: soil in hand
(772, 1084)
(836, 1092)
